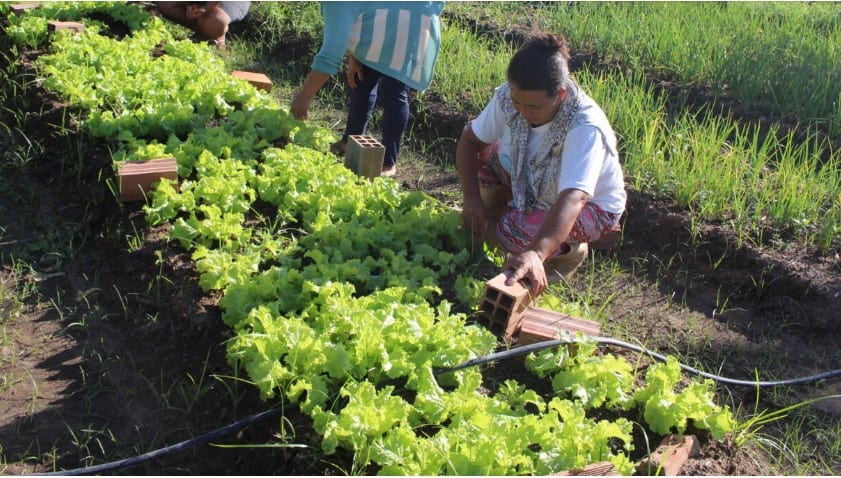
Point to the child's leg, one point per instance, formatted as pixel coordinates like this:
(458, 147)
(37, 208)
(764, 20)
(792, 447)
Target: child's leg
(394, 96)
(362, 101)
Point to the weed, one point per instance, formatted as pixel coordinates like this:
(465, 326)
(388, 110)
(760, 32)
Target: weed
(720, 303)
(194, 389)
(231, 383)
(22, 274)
(791, 446)
(134, 240)
(159, 285)
(123, 303)
(89, 443)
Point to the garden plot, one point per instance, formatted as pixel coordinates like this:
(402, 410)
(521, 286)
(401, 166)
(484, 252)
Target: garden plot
(165, 304)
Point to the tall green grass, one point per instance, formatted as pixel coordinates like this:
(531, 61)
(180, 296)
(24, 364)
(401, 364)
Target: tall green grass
(780, 57)
(721, 169)
(275, 18)
(468, 68)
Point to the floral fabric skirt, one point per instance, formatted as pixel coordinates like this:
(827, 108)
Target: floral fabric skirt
(516, 228)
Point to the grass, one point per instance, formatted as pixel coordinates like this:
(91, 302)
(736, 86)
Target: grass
(468, 89)
(773, 56)
(719, 169)
(797, 430)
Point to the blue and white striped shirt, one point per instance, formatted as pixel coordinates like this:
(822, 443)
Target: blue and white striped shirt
(398, 39)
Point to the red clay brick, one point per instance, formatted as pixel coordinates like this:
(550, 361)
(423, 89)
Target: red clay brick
(19, 8)
(55, 25)
(602, 468)
(502, 306)
(670, 456)
(136, 177)
(540, 325)
(258, 80)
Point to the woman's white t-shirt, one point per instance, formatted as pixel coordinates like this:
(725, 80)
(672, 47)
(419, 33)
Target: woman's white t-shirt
(587, 163)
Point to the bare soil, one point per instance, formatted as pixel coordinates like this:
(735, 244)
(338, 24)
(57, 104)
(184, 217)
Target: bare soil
(110, 349)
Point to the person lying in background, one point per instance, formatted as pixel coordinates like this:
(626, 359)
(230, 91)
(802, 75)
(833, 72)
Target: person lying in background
(539, 169)
(210, 20)
(392, 48)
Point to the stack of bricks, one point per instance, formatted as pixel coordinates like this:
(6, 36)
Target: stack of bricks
(505, 309)
(136, 177)
(364, 156)
(257, 80)
(503, 306)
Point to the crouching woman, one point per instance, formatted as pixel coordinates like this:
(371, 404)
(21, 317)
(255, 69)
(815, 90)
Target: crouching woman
(539, 170)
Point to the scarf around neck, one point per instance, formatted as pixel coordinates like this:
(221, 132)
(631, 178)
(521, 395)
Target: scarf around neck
(526, 190)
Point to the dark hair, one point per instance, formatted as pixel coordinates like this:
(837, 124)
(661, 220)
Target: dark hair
(541, 64)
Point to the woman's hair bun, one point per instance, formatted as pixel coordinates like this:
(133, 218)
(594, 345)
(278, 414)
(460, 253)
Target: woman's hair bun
(551, 42)
(541, 63)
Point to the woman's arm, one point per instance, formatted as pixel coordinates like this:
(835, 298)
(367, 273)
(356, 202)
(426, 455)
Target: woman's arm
(473, 210)
(355, 72)
(557, 224)
(196, 11)
(300, 106)
(338, 21)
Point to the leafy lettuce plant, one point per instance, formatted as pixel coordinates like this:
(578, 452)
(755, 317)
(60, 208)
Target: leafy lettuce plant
(668, 410)
(597, 380)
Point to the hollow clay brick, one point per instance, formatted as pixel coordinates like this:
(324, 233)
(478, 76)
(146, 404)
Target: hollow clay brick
(364, 156)
(258, 80)
(136, 177)
(502, 306)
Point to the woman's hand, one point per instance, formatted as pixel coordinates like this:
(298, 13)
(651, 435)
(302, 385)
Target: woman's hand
(527, 265)
(473, 215)
(354, 71)
(300, 106)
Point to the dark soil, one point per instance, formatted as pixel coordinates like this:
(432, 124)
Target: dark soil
(115, 350)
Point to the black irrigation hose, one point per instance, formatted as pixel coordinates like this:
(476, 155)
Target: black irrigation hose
(513, 352)
(199, 440)
(608, 341)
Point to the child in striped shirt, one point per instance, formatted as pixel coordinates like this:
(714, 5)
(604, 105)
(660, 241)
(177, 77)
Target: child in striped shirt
(392, 48)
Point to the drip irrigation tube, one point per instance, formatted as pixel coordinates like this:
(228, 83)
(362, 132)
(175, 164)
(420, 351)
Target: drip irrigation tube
(516, 351)
(513, 352)
(199, 440)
